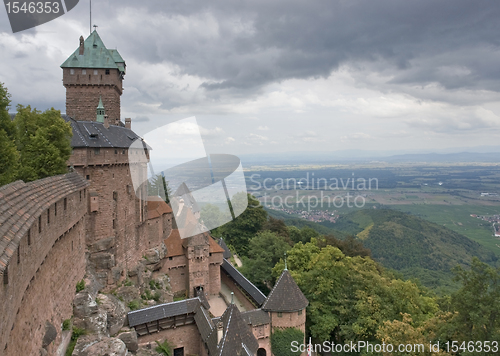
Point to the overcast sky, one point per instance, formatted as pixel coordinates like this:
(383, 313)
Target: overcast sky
(278, 76)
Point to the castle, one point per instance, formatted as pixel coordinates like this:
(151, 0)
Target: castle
(54, 229)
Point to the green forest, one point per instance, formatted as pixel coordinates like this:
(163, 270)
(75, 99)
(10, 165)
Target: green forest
(353, 297)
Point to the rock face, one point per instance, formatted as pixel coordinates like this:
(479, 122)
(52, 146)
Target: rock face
(93, 345)
(50, 334)
(130, 340)
(115, 311)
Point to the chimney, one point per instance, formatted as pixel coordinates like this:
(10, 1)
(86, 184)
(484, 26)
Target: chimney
(81, 46)
(220, 332)
(128, 123)
(106, 121)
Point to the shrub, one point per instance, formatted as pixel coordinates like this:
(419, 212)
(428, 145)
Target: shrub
(165, 348)
(128, 283)
(134, 305)
(282, 339)
(66, 325)
(80, 286)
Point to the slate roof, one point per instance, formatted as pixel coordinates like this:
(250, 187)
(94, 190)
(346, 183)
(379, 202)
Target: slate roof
(286, 296)
(95, 55)
(244, 283)
(162, 311)
(256, 317)
(93, 134)
(203, 322)
(22, 203)
(237, 338)
(227, 251)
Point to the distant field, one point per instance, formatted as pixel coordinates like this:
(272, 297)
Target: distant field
(446, 195)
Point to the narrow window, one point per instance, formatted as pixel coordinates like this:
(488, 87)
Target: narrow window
(115, 195)
(29, 237)
(65, 203)
(40, 224)
(97, 151)
(300, 312)
(48, 216)
(114, 223)
(80, 195)
(89, 76)
(116, 152)
(95, 71)
(88, 177)
(18, 254)
(123, 152)
(55, 209)
(101, 76)
(71, 245)
(72, 71)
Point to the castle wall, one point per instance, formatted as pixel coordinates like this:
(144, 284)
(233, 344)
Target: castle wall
(263, 335)
(233, 286)
(117, 233)
(215, 261)
(176, 268)
(43, 276)
(187, 336)
(83, 92)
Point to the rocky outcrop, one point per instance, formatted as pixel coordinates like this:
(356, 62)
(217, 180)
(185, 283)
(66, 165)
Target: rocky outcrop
(92, 345)
(50, 334)
(130, 340)
(115, 311)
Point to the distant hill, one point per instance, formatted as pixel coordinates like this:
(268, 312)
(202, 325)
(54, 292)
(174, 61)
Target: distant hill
(413, 246)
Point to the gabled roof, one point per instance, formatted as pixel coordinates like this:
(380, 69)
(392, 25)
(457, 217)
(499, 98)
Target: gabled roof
(22, 203)
(214, 246)
(95, 55)
(93, 134)
(174, 244)
(286, 296)
(162, 311)
(227, 251)
(237, 338)
(157, 207)
(243, 282)
(256, 317)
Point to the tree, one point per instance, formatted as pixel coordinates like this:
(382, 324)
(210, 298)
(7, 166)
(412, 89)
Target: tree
(281, 341)
(43, 141)
(477, 301)
(158, 186)
(264, 251)
(9, 157)
(277, 226)
(239, 231)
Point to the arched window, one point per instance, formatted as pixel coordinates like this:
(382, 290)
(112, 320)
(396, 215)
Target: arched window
(261, 352)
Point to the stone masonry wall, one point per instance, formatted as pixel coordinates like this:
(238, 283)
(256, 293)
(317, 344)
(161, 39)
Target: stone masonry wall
(83, 92)
(41, 282)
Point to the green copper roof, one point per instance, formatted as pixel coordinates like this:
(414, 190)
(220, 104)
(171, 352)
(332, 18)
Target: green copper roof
(95, 55)
(100, 106)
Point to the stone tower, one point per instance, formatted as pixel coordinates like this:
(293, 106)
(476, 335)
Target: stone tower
(90, 73)
(286, 304)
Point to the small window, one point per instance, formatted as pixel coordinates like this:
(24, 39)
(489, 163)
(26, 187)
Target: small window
(72, 71)
(170, 258)
(97, 151)
(88, 177)
(80, 195)
(84, 71)
(95, 71)
(300, 312)
(89, 76)
(115, 195)
(29, 237)
(116, 152)
(48, 216)
(114, 223)
(40, 224)
(107, 71)
(280, 314)
(65, 203)
(18, 254)
(55, 209)
(123, 152)
(6, 276)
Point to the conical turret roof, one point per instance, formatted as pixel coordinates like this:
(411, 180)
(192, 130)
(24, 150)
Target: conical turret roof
(286, 296)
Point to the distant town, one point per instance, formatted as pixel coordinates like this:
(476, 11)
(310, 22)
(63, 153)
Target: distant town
(494, 219)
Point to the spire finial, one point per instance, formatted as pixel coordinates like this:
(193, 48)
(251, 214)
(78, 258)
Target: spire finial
(286, 268)
(232, 297)
(95, 27)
